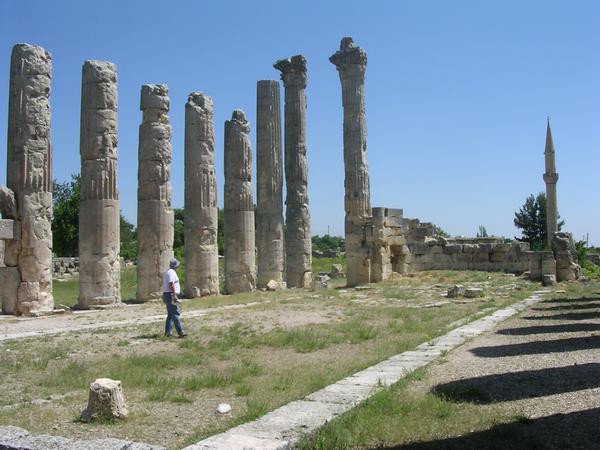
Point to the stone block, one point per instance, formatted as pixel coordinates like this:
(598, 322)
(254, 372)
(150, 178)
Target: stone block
(106, 401)
(452, 249)
(473, 292)
(470, 248)
(10, 280)
(548, 280)
(8, 203)
(456, 291)
(7, 229)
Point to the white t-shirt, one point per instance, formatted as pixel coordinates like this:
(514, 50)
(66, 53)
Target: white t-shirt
(170, 276)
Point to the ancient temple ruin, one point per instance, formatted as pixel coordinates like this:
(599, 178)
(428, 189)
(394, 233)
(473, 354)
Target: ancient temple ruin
(99, 213)
(26, 201)
(155, 226)
(239, 207)
(201, 215)
(298, 244)
(380, 242)
(269, 184)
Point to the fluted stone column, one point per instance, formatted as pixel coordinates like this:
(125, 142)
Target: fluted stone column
(298, 245)
(550, 178)
(269, 174)
(201, 216)
(351, 63)
(155, 215)
(26, 282)
(99, 236)
(239, 208)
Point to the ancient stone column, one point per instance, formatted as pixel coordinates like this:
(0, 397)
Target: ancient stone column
(155, 215)
(239, 208)
(269, 174)
(26, 282)
(351, 63)
(298, 245)
(550, 178)
(99, 214)
(201, 216)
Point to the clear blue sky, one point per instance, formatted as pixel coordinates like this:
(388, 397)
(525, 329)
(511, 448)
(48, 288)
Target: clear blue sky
(457, 94)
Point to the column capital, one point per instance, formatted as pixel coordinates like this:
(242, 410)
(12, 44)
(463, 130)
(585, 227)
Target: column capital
(154, 96)
(293, 71)
(349, 58)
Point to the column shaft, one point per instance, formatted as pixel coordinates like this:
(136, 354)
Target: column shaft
(351, 63)
(28, 290)
(239, 207)
(99, 213)
(155, 215)
(201, 215)
(269, 174)
(298, 245)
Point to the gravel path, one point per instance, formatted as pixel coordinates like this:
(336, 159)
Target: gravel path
(543, 365)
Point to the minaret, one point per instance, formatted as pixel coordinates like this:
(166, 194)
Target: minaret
(550, 178)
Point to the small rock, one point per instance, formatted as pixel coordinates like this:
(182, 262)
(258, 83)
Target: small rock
(337, 271)
(223, 408)
(473, 292)
(456, 291)
(548, 280)
(273, 285)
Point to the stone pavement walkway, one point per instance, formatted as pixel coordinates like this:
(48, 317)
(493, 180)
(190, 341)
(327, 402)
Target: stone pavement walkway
(281, 428)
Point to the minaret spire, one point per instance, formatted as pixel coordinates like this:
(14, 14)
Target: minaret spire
(550, 178)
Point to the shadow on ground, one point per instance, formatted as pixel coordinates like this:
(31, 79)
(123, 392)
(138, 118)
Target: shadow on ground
(577, 430)
(570, 300)
(567, 316)
(538, 347)
(567, 307)
(521, 385)
(547, 329)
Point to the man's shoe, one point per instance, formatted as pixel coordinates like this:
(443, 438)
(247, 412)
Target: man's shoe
(181, 336)
(168, 335)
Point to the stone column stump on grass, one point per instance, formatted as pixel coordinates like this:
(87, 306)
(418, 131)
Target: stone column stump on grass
(106, 401)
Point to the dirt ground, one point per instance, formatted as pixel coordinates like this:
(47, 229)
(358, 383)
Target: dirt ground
(255, 352)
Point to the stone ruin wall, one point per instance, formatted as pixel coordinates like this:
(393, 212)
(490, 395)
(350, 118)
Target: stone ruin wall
(400, 245)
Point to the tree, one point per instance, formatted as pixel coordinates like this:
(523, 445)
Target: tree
(531, 219)
(482, 232)
(128, 239)
(65, 217)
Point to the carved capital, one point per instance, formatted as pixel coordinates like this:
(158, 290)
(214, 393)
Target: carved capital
(349, 59)
(293, 71)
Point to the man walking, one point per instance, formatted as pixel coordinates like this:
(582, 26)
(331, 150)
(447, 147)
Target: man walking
(170, 290)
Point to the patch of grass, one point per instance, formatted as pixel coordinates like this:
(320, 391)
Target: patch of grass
(242, 389)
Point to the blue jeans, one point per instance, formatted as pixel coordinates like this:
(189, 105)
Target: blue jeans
(172, 315)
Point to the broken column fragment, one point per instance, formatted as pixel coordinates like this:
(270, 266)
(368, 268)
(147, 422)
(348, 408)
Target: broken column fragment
(99, 214)
(201, 217)
(27, 280)
(239, 208)
(351, 63)
(155, 215)
(298, 245)
(269, 175)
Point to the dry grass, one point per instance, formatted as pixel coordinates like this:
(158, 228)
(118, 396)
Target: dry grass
(255, 358)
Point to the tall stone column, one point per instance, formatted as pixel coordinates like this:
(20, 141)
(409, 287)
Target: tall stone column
(550, 178)
(27, 280)
(298, 245)
(155, 215)
(269, 174)
(351, 63)
(239, 208)
(99, 214)
(201, 216)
